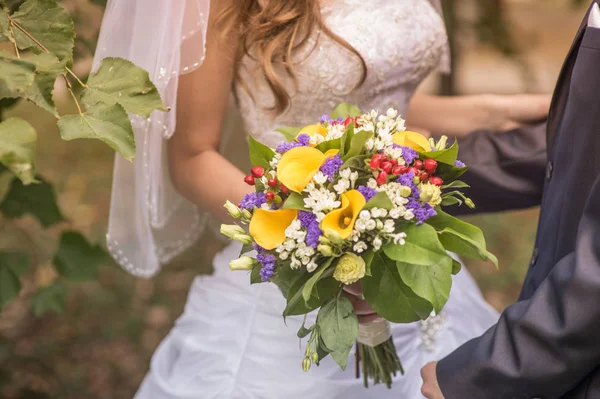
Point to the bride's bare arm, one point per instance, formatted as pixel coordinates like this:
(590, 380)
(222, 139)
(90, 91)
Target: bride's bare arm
(197, 169)
(460, 115)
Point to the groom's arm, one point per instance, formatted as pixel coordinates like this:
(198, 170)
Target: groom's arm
(506, 170)
(544, 346)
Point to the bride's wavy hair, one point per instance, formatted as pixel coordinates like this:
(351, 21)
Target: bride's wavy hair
(270, 31)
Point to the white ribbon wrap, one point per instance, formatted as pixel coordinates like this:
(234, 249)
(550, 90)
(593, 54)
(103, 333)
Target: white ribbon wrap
(375, 333)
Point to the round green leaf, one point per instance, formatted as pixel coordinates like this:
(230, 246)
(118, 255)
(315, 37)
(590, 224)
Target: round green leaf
(49, 299)
(110, 124)
(389, 296)
(118, 80)
(76, 259)
(16, 76)
(17, 261)
(338, 326)
(17, 148)
(5, 35)
(10, 286)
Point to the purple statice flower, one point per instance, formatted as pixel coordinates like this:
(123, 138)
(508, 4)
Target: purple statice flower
(340, 119)
(309, 221)
(408, 154)
(268, 265)
(422, 212)
(258, 248)
(367, 192)
(325, 119)
(250, 201)
(303, 140)
(459, 164)
(331, 166)
(407, 179)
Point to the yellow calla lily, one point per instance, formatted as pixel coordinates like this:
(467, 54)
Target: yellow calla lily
(342, 220)
(297, 167)
(331, 153)
(268, 227)
(312, 130)
(413, 140)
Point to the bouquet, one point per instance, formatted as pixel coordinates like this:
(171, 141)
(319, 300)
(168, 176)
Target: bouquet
(355, 198)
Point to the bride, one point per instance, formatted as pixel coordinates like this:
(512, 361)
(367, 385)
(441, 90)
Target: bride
(286, 62)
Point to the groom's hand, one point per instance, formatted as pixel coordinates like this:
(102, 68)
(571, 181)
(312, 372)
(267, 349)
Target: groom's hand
(431, 388)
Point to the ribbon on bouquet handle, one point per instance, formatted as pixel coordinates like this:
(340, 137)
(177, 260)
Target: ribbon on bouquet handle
(374, 333)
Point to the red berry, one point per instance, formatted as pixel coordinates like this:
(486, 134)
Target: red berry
(386, 166)
(382, 178)
(424, 176)
(270, 196)
(249, 180)
(258, 171)
(394, 162)
(272, 183)
(348, 121)
(415, 171)
(430, 165)
(335, 123)
(376, 161)
(437, 181)
(284, 189)
(399, 170)
(418, 164)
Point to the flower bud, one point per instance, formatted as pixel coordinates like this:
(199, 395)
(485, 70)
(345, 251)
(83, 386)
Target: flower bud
(243, 238)
(334, 236)
(470, 203)
(233, 210)
(231, 230)
(315, 357)
(278, 200)
(325, 250)
(246, 214)
(417, 179)
(324, 240)
(243, 263)
(405, 191)
(306, 364)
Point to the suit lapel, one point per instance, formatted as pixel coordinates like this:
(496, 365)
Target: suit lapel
(561, 92)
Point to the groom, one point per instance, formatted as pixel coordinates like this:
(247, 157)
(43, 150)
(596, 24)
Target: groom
(547, 345)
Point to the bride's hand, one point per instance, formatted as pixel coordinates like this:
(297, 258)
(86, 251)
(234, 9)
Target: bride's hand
(363, 310)
(506, 112)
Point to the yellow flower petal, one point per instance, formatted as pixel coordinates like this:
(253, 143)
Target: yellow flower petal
(331, 153)
(342, 220)
(413, 140)
(268, 227)
(312, 130)
(297, 167)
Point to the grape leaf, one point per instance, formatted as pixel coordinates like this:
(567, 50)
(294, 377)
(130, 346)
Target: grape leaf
(120, 81)
(338, 326)
(36, 199)
(17, 148)
(107, 123)
(16, 75)
(40, 92)
(17, 261)
(76, 258)
(5, 26)
(50, 24)
(51, 298)
(6, 178)
(12, 265)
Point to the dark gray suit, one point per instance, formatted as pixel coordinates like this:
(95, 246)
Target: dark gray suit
(547, 345)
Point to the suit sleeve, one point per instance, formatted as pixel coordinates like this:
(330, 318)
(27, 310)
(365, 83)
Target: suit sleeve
(544, 346)
(506, 170)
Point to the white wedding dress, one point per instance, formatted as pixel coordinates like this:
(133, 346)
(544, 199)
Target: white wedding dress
(231, 341)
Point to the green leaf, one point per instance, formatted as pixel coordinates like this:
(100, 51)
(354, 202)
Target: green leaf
(5, 35)
(246, 248)
(389, 296)
(422, 247)
(260, 154)
(379, 200)
(289, 133)
(303, 331)
(456, 266)
(40, 92)
(284, 278)
(18, 262)
(49, 299)
(450, 172)
(17, 148)
(325, 289)
(50, 24)
(461, 237)
(108, 124)
(447, 156)
(347, 139)
(76, 259)
(323, 271)
(16, 76)
(338, 326)
(6, 178)
(255, 277)
(345, 110)
(118, 80)
(449, 201)
(294, 201)
(430, 282)
(456, 184)
(329, 145)
(357, 145)
(368, 256)
(36, 199)
(10, 286)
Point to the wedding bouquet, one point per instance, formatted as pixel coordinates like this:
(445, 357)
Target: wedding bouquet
(355, 198)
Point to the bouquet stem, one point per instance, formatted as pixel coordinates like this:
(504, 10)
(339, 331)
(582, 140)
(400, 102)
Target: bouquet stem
(377, 354)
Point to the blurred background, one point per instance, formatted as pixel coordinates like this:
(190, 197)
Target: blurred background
(99, 342)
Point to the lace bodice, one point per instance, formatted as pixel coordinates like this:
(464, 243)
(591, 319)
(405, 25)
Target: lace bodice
(401, 42)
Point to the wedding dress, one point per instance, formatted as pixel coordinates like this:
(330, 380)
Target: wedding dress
(231, 341)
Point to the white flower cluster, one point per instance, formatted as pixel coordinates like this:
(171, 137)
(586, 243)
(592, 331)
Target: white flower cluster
(376, 226)
(295, 248)
(384, 126)
(320, 200)
(346, 182)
